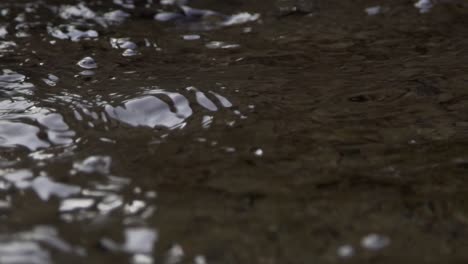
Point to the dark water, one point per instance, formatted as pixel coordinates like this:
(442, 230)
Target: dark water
(233, 131)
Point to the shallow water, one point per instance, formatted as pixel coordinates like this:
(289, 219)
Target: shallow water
(286, 131)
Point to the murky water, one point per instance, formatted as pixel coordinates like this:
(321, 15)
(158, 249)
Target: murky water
(276, 131)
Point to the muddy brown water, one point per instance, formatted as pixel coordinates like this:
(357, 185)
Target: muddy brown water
(233, 132)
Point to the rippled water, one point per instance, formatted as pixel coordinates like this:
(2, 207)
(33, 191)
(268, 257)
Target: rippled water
(276, 131)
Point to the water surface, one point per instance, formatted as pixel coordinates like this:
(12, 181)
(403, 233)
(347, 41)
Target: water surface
(286, 131)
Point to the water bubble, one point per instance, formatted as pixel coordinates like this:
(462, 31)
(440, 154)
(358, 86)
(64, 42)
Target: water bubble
(204, 101)
(221, 45)
(3, 32)
(110, 203)
(223, 100)
(116, 17)
(4, 12)
(134, 207)
(20, 178)
(125, 3)
(142, 259)
(175, 254)
(51, 80)
(229, 149)
(14, 134)
(167, 16)
(258, 152)
(87, 63)
(345, 251)
(122, 43)
(151, 111)
(71, 32)
(139, 240)
(200, 260)
(13, 83)
(129, 53)
(94, 164)
(68, 12)
(424, 6)
(287, 7)
(27, 246)
(6, 46)
(174, 2)
(191, 37)
(374, 10)
(241, 18)
(87, 73)
(13, 252)
(375, 242)
(72, 204)
(45, 188)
